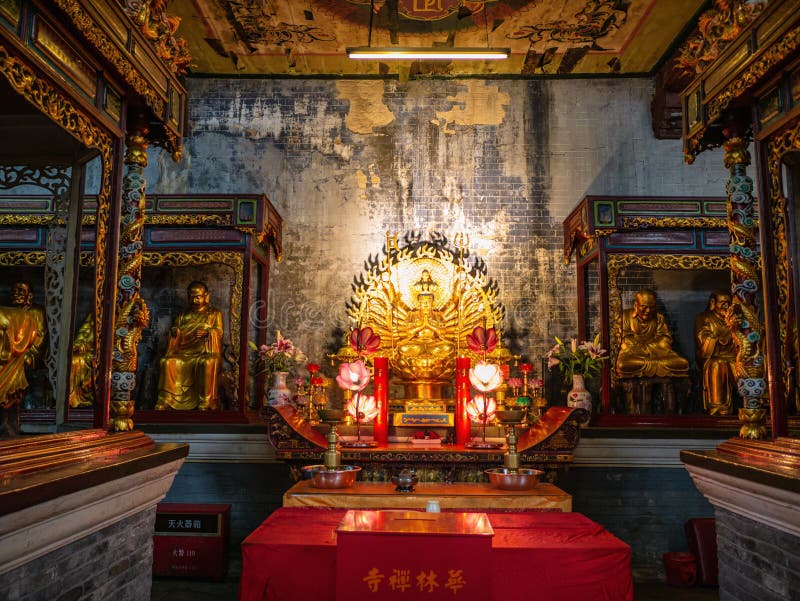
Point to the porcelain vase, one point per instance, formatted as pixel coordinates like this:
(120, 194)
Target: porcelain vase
(279, 394)
(579, 396)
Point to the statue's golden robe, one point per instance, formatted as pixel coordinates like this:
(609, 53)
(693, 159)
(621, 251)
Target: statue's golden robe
(716, 355)
(190, 368)
(646, 349)
(21, 334)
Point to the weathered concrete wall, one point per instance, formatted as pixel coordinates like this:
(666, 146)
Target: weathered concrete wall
(505, 161)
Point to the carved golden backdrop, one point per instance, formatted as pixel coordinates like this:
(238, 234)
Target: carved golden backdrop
(423, 298)
(309, 37)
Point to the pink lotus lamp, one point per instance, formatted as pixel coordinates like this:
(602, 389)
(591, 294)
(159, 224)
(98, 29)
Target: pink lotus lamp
(362, 408)
(480, 410)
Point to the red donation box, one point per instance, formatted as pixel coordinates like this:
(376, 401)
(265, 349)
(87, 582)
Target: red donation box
(191, 540)
(414, 555)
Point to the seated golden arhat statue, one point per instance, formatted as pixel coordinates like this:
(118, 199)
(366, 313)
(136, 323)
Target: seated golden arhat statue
(716, 354)
(22, 333)
(646, 356)
(81, 384)
(190, 369)
(646, 343)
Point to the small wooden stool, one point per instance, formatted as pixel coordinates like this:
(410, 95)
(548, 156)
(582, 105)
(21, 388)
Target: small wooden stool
(639, 394)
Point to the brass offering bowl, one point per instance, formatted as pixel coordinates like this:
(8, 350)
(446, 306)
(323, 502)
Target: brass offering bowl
(342, 477)
(510, 416)
(523, 478)
(330, 415)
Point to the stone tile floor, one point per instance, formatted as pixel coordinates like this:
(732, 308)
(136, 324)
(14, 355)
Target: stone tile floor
(171, 589)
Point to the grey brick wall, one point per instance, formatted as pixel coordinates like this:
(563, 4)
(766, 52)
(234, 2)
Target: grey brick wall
(345, 161)
(645, 507)
(756, 562)
(113, 563)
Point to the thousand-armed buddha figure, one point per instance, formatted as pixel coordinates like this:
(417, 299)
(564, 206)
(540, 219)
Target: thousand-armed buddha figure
(646, 343)
(190, 369)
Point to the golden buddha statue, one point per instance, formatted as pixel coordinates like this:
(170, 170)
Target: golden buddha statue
(423, 348)
(190, 369)
(715, 354)
(22, 332)
(423, 299)
(81, 382)
(646, 343)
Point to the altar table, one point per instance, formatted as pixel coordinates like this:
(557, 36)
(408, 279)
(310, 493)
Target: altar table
(457, 495)
(548, 556)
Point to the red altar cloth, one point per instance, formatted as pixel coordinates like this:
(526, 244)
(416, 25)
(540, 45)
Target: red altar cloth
(535, 555)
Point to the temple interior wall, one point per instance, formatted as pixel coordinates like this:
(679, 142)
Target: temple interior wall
(504, 161)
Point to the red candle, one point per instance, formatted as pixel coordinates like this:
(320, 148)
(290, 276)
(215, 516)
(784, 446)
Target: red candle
(381, 390)
(462, 398)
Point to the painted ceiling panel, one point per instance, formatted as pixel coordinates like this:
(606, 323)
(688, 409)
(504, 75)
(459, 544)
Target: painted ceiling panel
(546, 37)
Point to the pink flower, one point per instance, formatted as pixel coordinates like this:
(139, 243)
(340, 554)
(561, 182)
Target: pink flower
(364, 341)
(514, 382)
(593, 347)
(486, 376)
(525, 367)
(362, 408)
(482, 340)
(353, 376)
(480, 408)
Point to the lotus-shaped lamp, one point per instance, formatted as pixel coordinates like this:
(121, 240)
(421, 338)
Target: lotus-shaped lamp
(362, 408)
(353, 376)
(485, 377)
(481, 408)
(364, 341)
(482, 340)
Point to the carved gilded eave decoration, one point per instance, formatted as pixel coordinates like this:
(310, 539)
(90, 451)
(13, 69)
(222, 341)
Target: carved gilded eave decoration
(674, 222)
(160, 28)
(716, 28)
(751, 64)
(699, 141)
(109, 51)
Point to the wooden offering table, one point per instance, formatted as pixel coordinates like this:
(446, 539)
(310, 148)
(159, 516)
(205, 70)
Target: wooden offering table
(458, 495)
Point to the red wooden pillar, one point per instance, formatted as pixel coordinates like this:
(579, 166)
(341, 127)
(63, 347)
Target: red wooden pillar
(462, 398)
(381, 389)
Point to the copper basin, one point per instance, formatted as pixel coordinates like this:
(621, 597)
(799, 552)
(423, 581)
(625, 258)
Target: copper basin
(522, 479)
(330, 415)
(510, 416)
(341, 477)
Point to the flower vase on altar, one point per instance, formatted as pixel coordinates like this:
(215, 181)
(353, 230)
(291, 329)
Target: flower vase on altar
(279, 394)
(579, 397)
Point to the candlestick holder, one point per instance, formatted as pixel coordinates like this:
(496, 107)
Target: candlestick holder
(511, 476)
(332, 474)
